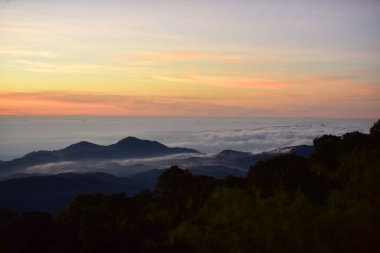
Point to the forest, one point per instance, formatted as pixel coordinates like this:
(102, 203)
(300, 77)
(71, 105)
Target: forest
(328, 202)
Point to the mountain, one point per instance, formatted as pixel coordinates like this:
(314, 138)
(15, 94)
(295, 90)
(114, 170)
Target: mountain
(149, 178)
(132, 155)
(240, 160)
(27, 190)
(300, 150)
(216, 171)
(127, 148)
(53, 192)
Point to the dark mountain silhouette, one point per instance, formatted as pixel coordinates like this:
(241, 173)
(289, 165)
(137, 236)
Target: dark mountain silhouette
(86, 157)
(242, 160)
(300, 150)
(20, 175)
(232, 153)
(148, 179)
(217, 171)
(129, 147)
(132, 147)
(32, 191)
(52, 192)
(28, 192)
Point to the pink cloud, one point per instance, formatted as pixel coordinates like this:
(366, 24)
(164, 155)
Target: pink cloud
(68, 103)
(361, 102)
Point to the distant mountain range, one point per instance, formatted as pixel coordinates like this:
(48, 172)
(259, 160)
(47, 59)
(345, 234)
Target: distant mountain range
(127, 148)
(39, 180)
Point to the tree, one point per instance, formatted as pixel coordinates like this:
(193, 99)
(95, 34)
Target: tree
(375, 130)
(288, 171)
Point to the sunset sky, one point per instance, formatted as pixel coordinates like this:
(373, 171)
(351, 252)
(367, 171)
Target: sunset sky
(190, 58)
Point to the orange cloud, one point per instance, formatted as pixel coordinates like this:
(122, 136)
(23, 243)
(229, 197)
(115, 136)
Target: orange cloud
(357, 101)
(66, 103)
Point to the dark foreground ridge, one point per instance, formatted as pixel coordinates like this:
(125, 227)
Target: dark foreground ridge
(51, 193)
(328, 202)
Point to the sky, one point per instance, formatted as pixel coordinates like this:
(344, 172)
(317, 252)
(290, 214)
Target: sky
(236, 58)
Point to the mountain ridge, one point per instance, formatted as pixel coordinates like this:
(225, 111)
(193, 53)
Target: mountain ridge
(129, 147)
(26, 190)
(50, 193)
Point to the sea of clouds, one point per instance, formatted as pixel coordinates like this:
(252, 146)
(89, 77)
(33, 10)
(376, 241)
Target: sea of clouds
(21, 135)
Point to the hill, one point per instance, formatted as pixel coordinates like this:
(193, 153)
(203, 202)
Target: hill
(127, 148)
(50, 193)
